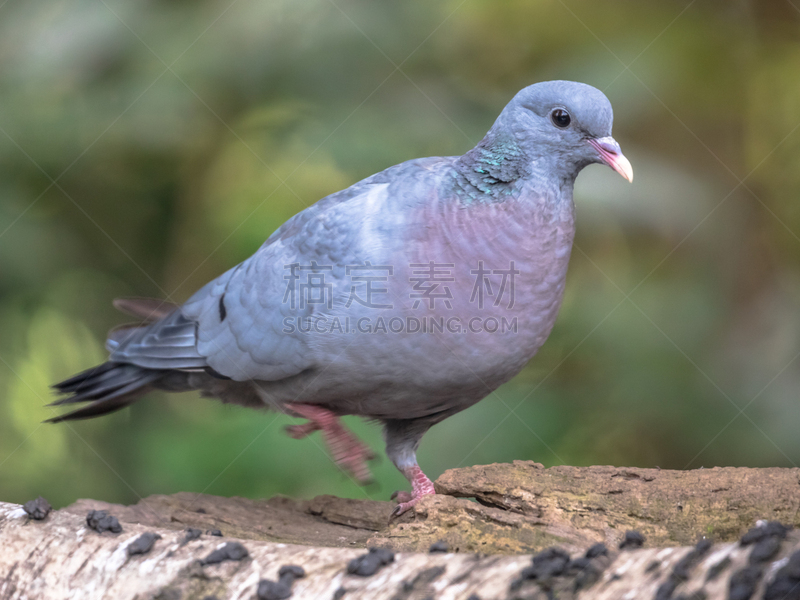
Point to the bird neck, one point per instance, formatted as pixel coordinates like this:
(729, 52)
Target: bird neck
(491, 171)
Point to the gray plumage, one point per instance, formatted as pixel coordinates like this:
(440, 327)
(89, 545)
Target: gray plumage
(506, 205)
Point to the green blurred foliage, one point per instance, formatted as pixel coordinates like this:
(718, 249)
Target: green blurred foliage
(145, 148)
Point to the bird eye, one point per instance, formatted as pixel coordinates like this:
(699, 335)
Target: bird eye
(560, 118)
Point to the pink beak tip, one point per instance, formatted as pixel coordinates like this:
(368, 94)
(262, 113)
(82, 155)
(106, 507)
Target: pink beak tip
(610, 154)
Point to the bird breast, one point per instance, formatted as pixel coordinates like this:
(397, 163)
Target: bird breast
(471, 293)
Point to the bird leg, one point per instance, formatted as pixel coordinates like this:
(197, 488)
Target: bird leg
(420, 486)
(402, 440)
(347, 451)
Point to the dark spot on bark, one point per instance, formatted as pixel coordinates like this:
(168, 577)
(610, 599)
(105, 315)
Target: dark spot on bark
(598, 549)
(191, 534)
(765, 549)
(281, 589)
(578, 564)
(438, 547)
(230, 551)
(586, 571)
(682, 570)
(771, 529)
(222, 312)
(653, 566)
(786, 584)
(685, 565)
(273, 590)
(293, 571)
(718, 568)
(202, 511)
(37, 509)
(368, 564)
(101, 521)
(143, 544)
(666, 589)
(364, 566)
(743, 583)
(549, 562)
(215, 532)
(339, 594)
(546, 565)
(633, 539)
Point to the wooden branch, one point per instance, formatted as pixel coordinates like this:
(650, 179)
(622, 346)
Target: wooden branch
(522, 508)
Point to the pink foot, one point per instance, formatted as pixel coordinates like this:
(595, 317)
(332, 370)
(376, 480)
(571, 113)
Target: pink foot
(346, 450)
(420, 486)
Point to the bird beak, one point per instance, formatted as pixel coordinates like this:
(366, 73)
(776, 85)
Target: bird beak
(610, 154)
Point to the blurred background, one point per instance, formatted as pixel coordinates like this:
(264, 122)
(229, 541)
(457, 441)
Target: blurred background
(146, 147)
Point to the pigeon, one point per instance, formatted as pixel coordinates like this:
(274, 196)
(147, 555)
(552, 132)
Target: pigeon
(403, 299)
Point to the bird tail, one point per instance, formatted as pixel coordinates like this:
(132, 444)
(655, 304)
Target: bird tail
(106, 388)
(114, 385)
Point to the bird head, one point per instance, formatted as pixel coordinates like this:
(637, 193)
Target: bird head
(563, 126)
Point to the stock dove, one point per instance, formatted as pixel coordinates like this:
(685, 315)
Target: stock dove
(405, 298)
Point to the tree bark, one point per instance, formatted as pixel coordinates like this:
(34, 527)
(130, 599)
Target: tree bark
(521, 508)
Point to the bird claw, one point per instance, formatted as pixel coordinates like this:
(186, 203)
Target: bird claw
(346, 450)
(351, 455)
(421, 486)
(396, 512)
(406, 502)
(298, 432)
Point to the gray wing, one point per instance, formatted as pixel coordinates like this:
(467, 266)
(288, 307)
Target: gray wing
(239, 321)
(235, 324)
(232, 325)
